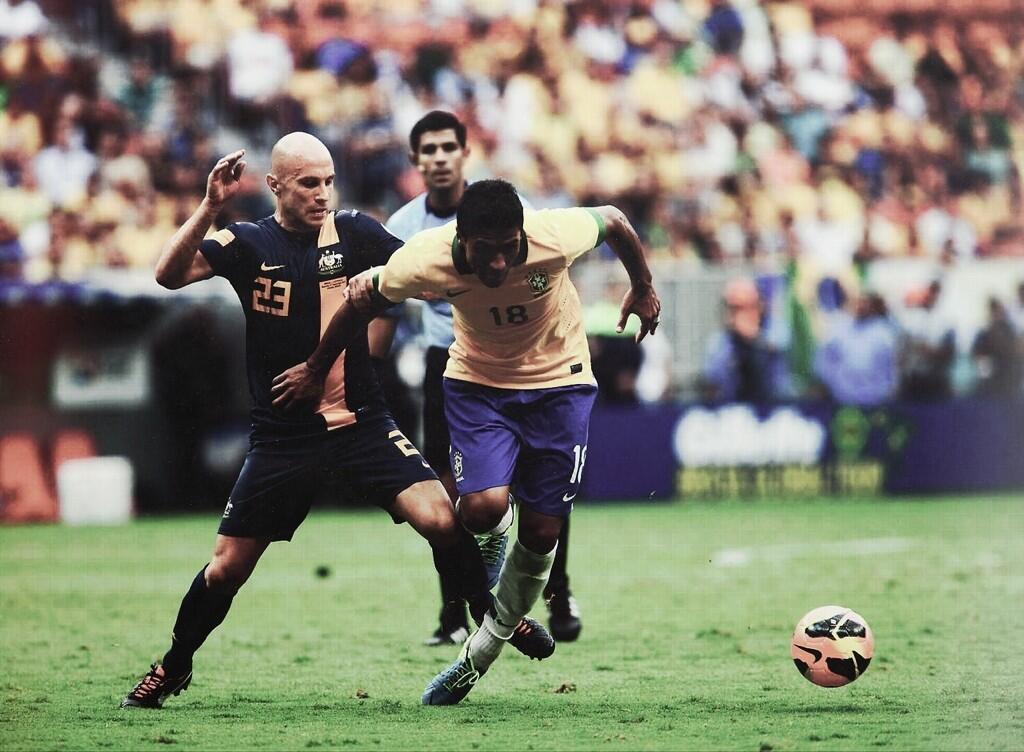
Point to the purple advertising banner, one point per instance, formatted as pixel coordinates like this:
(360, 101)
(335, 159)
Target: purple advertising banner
(814, 449)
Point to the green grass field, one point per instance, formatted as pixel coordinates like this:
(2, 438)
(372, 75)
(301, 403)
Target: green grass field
(688, 610)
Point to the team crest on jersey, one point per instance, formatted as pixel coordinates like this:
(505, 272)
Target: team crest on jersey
(538, 281)
(331, 262)
(457, 464)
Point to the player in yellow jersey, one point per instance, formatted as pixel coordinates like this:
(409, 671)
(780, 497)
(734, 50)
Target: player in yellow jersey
(518, 386)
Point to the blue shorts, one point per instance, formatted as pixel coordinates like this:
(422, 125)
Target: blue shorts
(534, 440)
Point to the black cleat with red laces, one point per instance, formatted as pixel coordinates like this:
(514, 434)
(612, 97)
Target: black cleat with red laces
(532, 640)
(156, 687)
(530, 637)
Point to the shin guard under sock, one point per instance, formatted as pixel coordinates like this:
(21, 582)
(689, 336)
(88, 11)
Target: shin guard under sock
(201, 611)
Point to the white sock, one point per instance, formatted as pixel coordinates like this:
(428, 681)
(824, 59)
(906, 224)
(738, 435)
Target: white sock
(522, 580)
(485, 645)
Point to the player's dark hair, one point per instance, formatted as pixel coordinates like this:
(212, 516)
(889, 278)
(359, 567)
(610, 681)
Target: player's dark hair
(437, 120)
(488, 206)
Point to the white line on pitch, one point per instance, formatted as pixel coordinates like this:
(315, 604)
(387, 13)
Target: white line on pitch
(737, 557)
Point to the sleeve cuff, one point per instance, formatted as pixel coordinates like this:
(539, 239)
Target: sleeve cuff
(376, 288)
(602, 230)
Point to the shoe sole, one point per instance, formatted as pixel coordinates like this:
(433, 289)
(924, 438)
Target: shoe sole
(568, 635)
(537, 657)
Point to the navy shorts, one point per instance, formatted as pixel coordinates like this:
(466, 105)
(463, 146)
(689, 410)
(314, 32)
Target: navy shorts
(534, 440)
(436, 440)
(372, 459)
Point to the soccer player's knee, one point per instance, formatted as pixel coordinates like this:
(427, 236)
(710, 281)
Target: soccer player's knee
(224, 576)
(482, 511)
(540, 535)
(437, 523)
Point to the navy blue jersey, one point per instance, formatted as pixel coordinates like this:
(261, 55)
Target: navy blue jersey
(290, 284)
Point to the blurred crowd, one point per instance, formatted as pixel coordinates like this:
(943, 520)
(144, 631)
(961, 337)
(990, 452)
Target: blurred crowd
(772, 133)
(864, 353)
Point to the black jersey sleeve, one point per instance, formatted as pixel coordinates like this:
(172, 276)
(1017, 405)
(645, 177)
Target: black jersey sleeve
(225, 251)
(374, 244)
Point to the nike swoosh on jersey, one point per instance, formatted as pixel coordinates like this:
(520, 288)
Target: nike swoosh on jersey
(265, 268)
(454, 293)
(567, 497)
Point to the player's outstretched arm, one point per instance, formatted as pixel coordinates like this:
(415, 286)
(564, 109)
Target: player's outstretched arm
(303, 384)
(180, 262)
(640, 299)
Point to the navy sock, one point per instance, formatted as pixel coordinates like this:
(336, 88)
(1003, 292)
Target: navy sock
(200, 613)
(453, 606)
(558, 582)
(463, 574)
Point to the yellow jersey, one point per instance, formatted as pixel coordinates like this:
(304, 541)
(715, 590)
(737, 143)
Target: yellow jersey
(525, 334)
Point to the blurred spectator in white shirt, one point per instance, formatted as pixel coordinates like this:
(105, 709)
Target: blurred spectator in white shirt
(1017, 310)
(830, 244)
(941, 233)
(259, 66)
(21, 18)
(64, 169)
(928, 350)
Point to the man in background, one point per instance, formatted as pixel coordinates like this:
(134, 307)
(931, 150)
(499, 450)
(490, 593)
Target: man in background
(741, 365)
(857, 362)
(928, 348)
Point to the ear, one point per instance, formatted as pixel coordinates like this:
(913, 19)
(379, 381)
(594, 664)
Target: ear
(412, 158)
(272, 183)
(466, 150)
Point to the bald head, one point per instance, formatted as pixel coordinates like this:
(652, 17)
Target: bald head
(302, 179)
(295, 150)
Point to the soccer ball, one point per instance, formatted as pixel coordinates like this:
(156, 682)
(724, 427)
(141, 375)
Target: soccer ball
(832, 646)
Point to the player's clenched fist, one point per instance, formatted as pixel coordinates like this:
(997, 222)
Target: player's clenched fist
(360, 290)
(224, 179)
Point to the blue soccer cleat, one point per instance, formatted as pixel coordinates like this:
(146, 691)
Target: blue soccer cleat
(492, 546)
(454, 683)
(492, 551)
